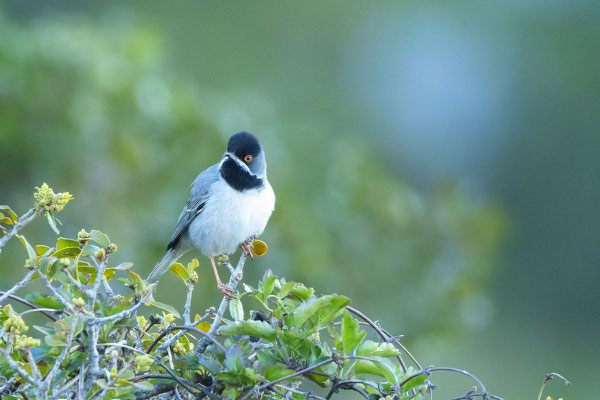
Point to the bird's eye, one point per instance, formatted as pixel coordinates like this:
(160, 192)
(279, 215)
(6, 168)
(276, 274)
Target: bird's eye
(248, 158)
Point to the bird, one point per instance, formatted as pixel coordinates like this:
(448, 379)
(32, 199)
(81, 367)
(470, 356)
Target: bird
(229, 206)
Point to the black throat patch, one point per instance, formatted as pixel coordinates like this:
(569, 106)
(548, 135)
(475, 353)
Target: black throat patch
(237, 177)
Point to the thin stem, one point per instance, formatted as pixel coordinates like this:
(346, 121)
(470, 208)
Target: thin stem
(33, 306)
(550, 376)
(21, 222)
(119, 315)
(381, 334)
(61, 357)
(186, 328)
(18, 286)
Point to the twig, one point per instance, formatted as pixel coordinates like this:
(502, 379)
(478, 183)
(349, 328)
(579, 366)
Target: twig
(258, 388)
(186, 328)
(119, 315)
(18, 286)
(550, 376)
(33, 306)
(21, 222)
(55, 293)
(13, 364)
(471, 395)
(386, 337)
(61, 357)
(181, 381)
(100, 267)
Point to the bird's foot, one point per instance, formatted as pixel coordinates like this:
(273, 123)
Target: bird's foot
(227, 291)
(223, 258)
(247, 248)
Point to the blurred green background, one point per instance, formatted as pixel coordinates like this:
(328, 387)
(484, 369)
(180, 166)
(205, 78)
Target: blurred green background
(435, 162)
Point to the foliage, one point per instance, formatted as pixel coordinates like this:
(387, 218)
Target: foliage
(97, 344)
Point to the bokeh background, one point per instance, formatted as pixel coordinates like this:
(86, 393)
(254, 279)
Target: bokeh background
(438, 163)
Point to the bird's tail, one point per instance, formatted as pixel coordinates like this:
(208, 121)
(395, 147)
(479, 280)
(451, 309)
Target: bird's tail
(163, 265)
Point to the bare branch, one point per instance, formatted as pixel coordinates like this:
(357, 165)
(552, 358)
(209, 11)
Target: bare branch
(18, 286)
(21, 222)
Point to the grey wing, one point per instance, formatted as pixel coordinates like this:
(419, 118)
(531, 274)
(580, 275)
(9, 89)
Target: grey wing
(194, 206)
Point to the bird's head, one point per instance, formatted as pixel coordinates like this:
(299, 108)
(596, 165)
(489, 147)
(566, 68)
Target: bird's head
(246, 151)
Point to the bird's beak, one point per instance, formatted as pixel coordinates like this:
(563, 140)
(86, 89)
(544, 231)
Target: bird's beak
(238, 161)
(233, 157)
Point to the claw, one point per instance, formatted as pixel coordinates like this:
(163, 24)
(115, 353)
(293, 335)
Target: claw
(227, 292)
(246, 247)
(223, 258)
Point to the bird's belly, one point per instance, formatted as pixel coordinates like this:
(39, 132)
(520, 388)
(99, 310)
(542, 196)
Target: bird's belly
(230, 217)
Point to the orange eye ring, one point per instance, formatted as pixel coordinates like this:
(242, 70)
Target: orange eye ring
(248, 158)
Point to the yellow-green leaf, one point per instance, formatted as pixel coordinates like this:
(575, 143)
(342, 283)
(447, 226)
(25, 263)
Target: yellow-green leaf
(192, 265)
(180, 271)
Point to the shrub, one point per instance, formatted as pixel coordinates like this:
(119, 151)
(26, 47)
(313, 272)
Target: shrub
(294, 343)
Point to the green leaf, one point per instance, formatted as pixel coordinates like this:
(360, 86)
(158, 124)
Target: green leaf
(276, 372)
(302, 291)
(332, 310)
(70, 252)
(40, 250)
(414, 382)
(135, 278)
(234, 358)
(109, 273)
(259, 329)
(285, 289)
(30, 250)
(52, 222)
(44, 301)
(89, 250)
(267, 287)
(250, 377)
(99, 238)
(123, 266)
(371, 348)
(62, 243)
(180, 271)
(351, 336)
(306, 309)
(236, 309)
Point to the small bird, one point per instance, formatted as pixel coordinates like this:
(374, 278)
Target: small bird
(230, 204)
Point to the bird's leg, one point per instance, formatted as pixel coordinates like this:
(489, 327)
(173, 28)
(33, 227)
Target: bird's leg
(227, 292)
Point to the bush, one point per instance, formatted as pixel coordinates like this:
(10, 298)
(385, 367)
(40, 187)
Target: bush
(97, 344)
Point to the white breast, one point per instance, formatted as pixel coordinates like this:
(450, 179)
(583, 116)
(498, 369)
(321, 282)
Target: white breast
(230, 217)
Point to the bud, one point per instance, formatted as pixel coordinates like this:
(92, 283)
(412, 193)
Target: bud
(193, 277)
(64, 262)
(14, 323)
(23, 342)
(112, 248)
(29, 264)
(50, 201)
(100, 255)
(169, 318)
(143, 363)
(78, 302)
(142, 322)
